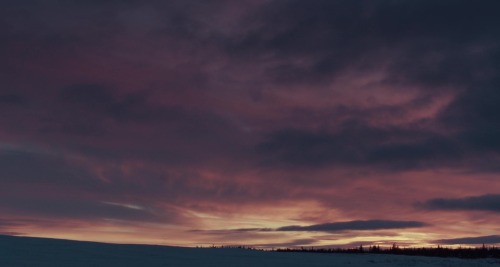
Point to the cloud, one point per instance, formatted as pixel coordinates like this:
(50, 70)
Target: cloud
(364, 35)
(81, 118)
(490, 202)
(105, 102)
(309, 42)
(209, 106)
(44, 168)
(334, 227)
(303, 147)
(354, 226)
(474, 114)
(358, 144)
(8, 223)
(12, 233)
(74, 208)
(12, 100)
(431, 54)
(490, 239)
(93, 96)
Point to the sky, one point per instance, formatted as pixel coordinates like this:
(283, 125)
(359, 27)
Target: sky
(269, 123)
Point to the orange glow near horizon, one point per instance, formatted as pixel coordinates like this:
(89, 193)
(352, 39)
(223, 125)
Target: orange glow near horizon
(257, 227)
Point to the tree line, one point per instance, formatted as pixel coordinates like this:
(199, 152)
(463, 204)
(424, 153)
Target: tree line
(439, 251)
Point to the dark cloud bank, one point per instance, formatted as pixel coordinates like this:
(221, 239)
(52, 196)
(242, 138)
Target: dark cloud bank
(454, 49)
(342, 226)
(489, 202)
(439, 54)
(354, 225)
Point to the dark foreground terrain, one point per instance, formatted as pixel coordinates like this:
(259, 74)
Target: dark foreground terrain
(42, 252)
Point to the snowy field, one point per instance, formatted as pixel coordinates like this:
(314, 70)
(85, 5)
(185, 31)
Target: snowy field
(17, 251)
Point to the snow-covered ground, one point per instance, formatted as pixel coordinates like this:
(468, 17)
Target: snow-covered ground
(17, 252)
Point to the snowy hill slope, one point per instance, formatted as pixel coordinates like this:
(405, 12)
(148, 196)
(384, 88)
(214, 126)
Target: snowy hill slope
(42, 252)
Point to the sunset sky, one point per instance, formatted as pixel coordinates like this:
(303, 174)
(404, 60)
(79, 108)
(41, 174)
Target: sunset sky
(271, 123)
